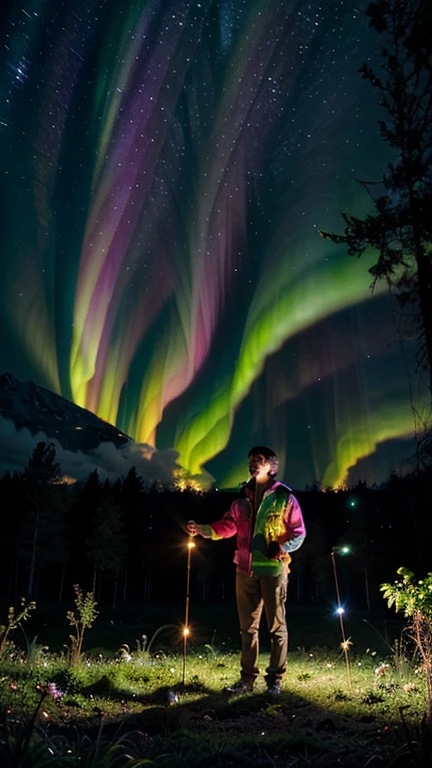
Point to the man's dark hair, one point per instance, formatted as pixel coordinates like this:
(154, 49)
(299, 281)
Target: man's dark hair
(268, 454)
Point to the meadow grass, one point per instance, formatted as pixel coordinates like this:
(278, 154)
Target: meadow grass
(139, 697)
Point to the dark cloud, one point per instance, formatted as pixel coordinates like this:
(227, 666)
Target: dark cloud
(16, 447)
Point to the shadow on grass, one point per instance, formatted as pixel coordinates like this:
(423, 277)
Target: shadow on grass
(204, 726)
(192, 725)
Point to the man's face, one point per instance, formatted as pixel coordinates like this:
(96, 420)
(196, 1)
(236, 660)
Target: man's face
(259, 467)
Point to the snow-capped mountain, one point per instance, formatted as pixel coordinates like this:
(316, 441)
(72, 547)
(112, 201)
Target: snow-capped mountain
(37, 409)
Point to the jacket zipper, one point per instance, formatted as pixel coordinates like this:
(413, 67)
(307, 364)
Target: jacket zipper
(253, 521)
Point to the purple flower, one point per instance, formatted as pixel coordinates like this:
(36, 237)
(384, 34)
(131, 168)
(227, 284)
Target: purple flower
(53, 691)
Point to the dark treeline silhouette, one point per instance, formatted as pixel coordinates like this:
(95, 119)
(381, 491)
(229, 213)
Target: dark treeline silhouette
(126, 540)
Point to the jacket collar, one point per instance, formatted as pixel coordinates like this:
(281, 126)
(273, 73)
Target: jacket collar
(250, 487)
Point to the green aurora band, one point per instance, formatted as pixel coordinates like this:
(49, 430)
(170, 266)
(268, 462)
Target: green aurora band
(167, 168)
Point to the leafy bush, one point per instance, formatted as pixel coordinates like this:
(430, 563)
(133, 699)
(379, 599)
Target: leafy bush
(81, 618)
(414, 599)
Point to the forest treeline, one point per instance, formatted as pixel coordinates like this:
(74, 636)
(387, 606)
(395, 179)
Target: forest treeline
(126, 540)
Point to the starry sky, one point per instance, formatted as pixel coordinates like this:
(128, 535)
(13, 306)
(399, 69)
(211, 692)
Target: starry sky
(166, 166)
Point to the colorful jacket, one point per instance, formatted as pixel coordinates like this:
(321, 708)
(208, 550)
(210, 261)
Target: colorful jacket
(278, 519)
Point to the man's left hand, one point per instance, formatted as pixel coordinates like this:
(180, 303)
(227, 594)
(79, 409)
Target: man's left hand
(192, 528)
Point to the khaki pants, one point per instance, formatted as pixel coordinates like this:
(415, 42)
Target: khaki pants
(252, 593)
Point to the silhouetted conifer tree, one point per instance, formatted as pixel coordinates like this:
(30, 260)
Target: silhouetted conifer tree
(400, 229)
(107, 547)
(132, 499)
(40, 476)
(14, 508)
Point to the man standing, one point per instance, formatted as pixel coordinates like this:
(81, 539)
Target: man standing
(269, 526)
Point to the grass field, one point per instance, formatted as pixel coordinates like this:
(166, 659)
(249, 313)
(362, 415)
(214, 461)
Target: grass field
(127, 697)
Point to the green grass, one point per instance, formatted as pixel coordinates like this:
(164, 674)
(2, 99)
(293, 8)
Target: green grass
(318, 720)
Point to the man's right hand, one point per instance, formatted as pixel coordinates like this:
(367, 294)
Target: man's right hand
(192, 528)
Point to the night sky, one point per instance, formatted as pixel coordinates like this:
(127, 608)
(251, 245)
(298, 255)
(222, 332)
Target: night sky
(165, 169)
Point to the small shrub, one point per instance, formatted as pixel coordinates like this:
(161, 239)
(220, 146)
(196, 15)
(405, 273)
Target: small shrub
(414, 599)
(144, 647)
(13, 621)
(35, 652)
(81, 618)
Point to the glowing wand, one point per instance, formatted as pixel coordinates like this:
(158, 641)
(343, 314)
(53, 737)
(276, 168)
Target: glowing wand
(190, 546)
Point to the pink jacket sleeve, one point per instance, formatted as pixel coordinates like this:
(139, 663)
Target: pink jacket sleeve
(227, 526)
(295, 527)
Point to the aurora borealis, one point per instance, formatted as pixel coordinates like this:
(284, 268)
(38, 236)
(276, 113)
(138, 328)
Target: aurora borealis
(166, 166)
